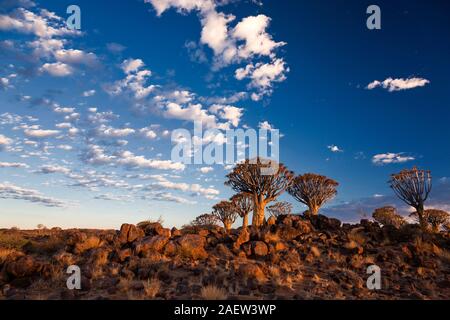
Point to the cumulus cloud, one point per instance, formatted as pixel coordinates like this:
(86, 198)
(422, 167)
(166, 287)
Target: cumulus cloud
(195, 189)
(334, 148)
(205, 170)
(110, 132)
(398, 84)
(11, 191)
(192, 112)
(4, 141)
(148, 133)
(388, 158)
(226, 112)
(57, 69)
(88, 93)
(265, 125)
(128, 159)
(48, 169)
(247, 40)
(43, 25)
(75, 56)
(135, 80)
(263, 75)
(40, 133)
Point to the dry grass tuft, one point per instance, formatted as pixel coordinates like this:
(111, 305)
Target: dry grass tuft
(212, 292)
(151, 288)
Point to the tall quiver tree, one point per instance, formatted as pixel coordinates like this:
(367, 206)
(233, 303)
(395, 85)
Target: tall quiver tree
(252, 178)
(413, 187)
(244, 204)
(225, 211)
(313, 190)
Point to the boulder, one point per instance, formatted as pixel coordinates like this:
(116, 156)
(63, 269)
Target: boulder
(324, 223)
(193, 246)
(150, 243)
(123, 254)
(129, 233)
(271, 221)
(243, 237)
(251, 271)
(259, 249)
(89, 243)
(171, 248)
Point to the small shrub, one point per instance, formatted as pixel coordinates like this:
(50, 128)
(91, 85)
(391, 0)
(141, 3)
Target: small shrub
(12, 240)
(212, 292)
(436, 218)
(388, 216)
(151, 288)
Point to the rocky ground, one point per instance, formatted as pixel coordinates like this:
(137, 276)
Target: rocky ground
(290, 258)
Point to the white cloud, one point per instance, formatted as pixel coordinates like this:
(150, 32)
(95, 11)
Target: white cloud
(64, 147)
(334, 148)
(265, 125)
(398, 84)
(39, 133)
(263, 75)
(47, 169)
(11, 191)
(88, 93)
(106, 131)
(247, 40)
(148, 133)
(228, 113)
(128, 159)
(113, 197)
(388, 158)
(4, 141)
(44, 25)
(163, 183)
(57, 69)
(193, 112)
(167, 196)
(257, 41)
(135, 80)
(13, 165)
(96, 155)
(75, 56)
(205, 170)
(131, 65)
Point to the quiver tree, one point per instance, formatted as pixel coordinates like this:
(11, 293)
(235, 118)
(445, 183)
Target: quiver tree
(205, 220)
(413, 187)
(280, 208)
(437, 218)
(251, 178)
(226, 212)
(243, 204)
(313, 190)
(388, 216)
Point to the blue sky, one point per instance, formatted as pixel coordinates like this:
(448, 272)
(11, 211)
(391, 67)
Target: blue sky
(86, 116)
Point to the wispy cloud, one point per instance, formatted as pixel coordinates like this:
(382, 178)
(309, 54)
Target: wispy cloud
(388, 158)
(392, 84)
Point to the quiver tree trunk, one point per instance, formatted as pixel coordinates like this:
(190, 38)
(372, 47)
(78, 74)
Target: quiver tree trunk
(314, 210)
(245, 221)
(258, 213)
(227, 226)
(422, 219)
